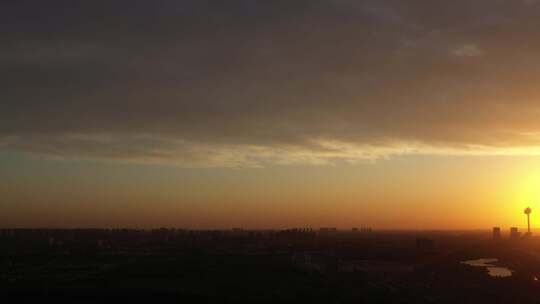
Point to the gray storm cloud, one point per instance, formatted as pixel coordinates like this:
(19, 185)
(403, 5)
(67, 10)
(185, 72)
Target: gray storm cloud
(250, 83)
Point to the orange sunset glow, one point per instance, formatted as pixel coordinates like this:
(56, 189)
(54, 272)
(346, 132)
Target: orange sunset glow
(271, 115)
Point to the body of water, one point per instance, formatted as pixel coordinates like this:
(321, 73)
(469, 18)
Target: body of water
(494, 271)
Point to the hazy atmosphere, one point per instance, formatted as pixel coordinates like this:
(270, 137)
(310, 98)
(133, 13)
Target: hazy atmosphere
(269, 114)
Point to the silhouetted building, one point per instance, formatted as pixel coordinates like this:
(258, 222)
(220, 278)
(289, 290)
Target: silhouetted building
(514, 233)
(328, 229)
(366, 230)
(496, 233)
(527, 212)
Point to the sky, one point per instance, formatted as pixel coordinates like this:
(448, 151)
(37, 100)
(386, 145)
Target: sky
(269, 113)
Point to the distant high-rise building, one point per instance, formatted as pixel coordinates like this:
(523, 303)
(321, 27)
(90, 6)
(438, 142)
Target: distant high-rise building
(366, 229)
(514, 233)
(527, 212)
(328, 231)
(496, 233)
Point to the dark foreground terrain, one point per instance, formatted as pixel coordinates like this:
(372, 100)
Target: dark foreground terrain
(292, 266)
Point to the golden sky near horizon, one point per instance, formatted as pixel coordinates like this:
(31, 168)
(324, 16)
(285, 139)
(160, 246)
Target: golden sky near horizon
(439, 192)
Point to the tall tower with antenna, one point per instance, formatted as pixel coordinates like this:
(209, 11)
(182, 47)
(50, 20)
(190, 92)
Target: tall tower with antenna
(527, 211)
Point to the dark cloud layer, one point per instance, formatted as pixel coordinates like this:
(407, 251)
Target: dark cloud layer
(249, 82)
